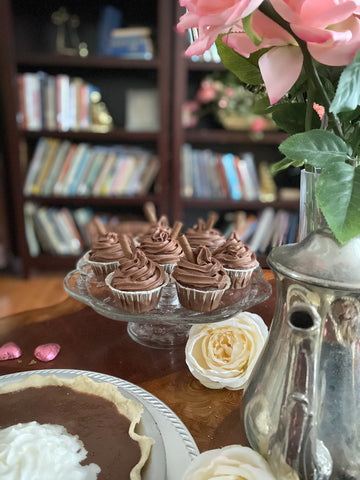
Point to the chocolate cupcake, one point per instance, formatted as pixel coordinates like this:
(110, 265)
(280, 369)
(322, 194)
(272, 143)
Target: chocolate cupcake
(137, 282)
(238, 260)
(104, 255)
(204, 235)
(200, 279)
(163, 247)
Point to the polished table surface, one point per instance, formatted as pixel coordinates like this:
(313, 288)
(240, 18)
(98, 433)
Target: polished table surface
(94, 343)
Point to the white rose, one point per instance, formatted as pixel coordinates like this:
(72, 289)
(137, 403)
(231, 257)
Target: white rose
(223, 354)
(233, 463)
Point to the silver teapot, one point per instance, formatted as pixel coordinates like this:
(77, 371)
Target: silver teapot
(301, 408)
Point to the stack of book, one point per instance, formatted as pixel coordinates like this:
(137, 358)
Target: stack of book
(56, 230)
(131, 42)
(65, 169)
(270, 228)
(54, 102)
(208, 174)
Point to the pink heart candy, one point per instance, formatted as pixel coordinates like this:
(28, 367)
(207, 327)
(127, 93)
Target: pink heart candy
(47, 352)
(9, 351)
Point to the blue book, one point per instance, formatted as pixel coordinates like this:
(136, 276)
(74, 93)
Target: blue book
(294, 220)
(231, 176)
(110, 18)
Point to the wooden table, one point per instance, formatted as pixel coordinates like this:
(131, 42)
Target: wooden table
(95, 343)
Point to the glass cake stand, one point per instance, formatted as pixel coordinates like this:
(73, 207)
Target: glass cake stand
(168, 324)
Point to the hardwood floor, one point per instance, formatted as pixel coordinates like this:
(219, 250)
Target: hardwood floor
(18, 295)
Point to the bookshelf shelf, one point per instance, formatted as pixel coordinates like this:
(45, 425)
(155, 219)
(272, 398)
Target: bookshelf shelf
(34, 60)
(95, 201)
(239, 204)
(115, 135)
(216, 136)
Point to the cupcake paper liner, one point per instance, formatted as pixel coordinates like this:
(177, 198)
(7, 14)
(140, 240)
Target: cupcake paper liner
(240, 278)
(200, 300)
(136, 302)
(101, 269)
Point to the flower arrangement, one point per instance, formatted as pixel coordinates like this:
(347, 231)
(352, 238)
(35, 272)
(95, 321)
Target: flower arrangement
(221, 95)
(305, 53)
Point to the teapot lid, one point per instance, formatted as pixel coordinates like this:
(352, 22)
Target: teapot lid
(320, 260)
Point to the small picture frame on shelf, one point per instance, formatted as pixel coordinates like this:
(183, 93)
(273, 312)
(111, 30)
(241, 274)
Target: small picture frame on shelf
(142, 110)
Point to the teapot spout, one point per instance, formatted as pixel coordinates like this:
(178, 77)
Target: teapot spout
(294, 447)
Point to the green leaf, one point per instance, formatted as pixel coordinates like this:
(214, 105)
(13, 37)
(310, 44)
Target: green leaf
(244, 68)
(290, 117)
(347, 96)
(315, 147)
(284, 163)
(338, 195)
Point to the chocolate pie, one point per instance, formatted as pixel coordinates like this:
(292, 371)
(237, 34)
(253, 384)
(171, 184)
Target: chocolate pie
(96, 414)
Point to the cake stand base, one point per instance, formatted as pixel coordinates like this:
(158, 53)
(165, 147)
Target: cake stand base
(159, 335)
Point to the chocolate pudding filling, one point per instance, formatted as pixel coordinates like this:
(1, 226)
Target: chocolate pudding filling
(96, 421)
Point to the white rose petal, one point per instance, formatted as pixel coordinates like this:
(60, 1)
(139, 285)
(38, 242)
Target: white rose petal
(223, 354)
(233, 462)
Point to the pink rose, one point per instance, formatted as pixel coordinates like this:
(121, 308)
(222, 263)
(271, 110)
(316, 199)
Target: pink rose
(331, 28)
(212, 17)
(258, 125)
(206, 92)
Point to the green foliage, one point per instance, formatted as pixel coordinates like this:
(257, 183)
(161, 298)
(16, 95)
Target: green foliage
(347, 96)
(246, 69)
(290, 117)
(341, 208)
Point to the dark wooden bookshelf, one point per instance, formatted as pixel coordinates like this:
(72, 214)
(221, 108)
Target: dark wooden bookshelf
(26, 47)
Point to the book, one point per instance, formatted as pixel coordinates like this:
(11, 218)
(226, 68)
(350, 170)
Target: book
(231, 176)
(250, 191)
(186, 179)
(85, 188)
(48, 233)
(71, 174)
(46, 165)
(293, 227)
(21, 113)
(49, 106)
(57, 164)
(32, 101)
(128, 169)
(35, 164)
(112, 163)
(81, 177)
(58, 185)
(110, 17)
(264, 223)
(131, 42)
(107, 165)
(62, 87)
(142, 110)
(82, 217)
(222, 176)
(149, 175)
(69, 231)
(30, 232)
(80, 169)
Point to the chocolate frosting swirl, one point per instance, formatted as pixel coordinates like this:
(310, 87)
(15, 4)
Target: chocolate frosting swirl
(138, 273)
(206, 273)
(161, 248)
(199, 236)
(162, 224)
(106, 248)
(235, 254)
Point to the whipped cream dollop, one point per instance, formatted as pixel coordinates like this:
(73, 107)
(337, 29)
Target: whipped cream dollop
(30, 451)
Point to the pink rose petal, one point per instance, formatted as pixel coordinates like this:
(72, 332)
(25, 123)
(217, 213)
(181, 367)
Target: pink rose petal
(9, 351)
(47, 352)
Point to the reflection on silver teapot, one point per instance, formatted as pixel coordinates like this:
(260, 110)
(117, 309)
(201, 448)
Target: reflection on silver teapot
(301, 408)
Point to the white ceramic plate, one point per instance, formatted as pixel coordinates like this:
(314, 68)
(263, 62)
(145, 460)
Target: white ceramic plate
(174, 446)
